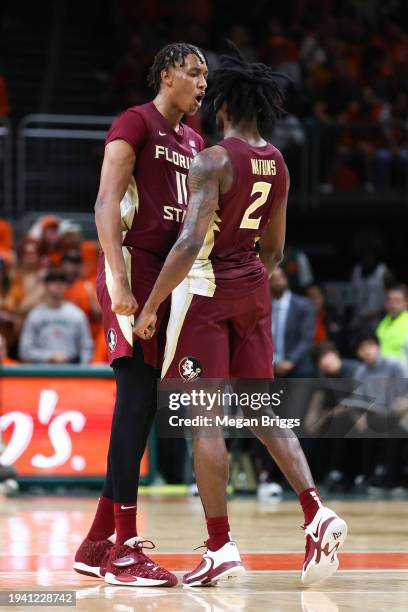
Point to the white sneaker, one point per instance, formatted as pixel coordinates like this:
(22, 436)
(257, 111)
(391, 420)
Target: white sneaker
(324, 536)
(223, 564)
(270, 491)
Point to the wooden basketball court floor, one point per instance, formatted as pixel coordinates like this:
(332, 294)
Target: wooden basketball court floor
(39, 535)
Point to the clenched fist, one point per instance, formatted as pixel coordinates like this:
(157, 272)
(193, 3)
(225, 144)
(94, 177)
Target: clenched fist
(123, 300)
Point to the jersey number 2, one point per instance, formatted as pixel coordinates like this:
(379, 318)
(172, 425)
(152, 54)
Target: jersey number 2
(263, 189)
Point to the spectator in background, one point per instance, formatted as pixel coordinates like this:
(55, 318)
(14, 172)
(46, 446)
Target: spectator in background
(369, 279)
(8, 320)
(26, 290)
(288, 136)
(4, 359)
(4, 101)
(46, 231)
(100, 354)
(56, 331)
(330, 364)
(89, 256)
(69, 236)
(393, 329)
(366, 132)
(339, 469)
(80, 291)
(390, 160)
(297, 268)
(293, 324)
(6, 242)
(384, 383)
(329, 325)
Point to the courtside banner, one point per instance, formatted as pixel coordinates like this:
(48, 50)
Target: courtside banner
(57, 425)
(309, 408)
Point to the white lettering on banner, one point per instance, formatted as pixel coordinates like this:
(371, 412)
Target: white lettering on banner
(57, 431)
(21, 437)
(47, 404)
(60, 439)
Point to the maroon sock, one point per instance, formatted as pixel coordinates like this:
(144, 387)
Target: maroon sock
(310, 501)
(103, 524)
(218, 530)
(125, 521)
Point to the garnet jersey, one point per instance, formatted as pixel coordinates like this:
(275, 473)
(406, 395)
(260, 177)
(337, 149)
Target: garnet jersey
(151, 211)
(155, 202)
(228, 263)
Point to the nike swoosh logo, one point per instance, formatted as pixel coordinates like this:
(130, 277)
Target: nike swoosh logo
(201, 572)
(315, 535)
(162, 133)
(127, 507)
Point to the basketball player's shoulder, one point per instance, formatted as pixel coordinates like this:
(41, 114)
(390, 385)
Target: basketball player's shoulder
(130, 125)
(210, 161)
(277, 154)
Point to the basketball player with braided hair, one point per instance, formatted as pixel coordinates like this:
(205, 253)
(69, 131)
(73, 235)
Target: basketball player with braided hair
(221, 309)
(140, 205)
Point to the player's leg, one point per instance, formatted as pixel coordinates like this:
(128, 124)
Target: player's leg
(252, 358)
(131, 423)
(202, 334)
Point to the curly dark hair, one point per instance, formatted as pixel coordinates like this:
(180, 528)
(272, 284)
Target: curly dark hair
(249, 89)
(169, 56)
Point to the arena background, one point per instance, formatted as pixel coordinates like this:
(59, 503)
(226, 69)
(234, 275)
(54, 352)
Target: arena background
(66, 70)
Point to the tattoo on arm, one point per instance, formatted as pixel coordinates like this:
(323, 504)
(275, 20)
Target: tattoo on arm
(203, 183)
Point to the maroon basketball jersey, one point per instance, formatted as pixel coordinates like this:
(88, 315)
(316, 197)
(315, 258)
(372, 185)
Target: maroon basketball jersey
(156, 199)
(228, 263)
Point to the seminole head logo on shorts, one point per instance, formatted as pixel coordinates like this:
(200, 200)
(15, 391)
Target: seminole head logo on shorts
(190, 368)
(112, 339)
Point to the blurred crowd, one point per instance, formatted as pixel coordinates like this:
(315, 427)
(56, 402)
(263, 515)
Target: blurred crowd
(348, 65)
(49, 312)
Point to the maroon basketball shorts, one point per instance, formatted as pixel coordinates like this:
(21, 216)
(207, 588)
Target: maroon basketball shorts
(142, 269)
(213, 337)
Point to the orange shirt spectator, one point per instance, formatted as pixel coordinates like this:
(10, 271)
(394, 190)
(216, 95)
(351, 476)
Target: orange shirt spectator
(81, 292)
(89, 255)
(26, 290)
(101, 351)
(6, 242)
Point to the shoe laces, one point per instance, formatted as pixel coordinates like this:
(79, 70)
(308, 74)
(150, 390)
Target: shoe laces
(204, 545)
(140, 555)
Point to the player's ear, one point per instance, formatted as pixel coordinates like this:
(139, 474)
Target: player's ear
(166, 77)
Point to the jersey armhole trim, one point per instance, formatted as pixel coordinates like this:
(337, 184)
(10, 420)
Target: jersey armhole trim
(235, 173)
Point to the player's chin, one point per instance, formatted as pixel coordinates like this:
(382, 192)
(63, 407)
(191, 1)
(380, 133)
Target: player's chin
(192, 110)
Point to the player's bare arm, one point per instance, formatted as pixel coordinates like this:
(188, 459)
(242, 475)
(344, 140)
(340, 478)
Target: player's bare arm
(117, 169)
(273, 238)
(204, 187)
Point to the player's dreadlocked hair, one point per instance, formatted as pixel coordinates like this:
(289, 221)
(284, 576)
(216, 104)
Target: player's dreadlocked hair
(168, 56)
(249, 89)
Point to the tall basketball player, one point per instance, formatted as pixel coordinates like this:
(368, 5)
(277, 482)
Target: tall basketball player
(140, 205)
(221, 308)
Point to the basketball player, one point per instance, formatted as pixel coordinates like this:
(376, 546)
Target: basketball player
(221, 310)
(140, 205)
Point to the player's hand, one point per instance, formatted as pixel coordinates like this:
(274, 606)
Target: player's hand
(58, 358)
(145, 324)
(284, 367)
(123, 300)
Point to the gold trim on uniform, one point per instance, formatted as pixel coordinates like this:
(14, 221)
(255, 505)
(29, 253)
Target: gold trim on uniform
(129, 206)
(201, 279)
(125, 322)
(181, 299)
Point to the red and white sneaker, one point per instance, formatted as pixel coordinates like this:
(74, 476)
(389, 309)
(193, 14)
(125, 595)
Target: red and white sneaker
(222, 564)
(324, 536)
(91, 557)
(129, 566)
